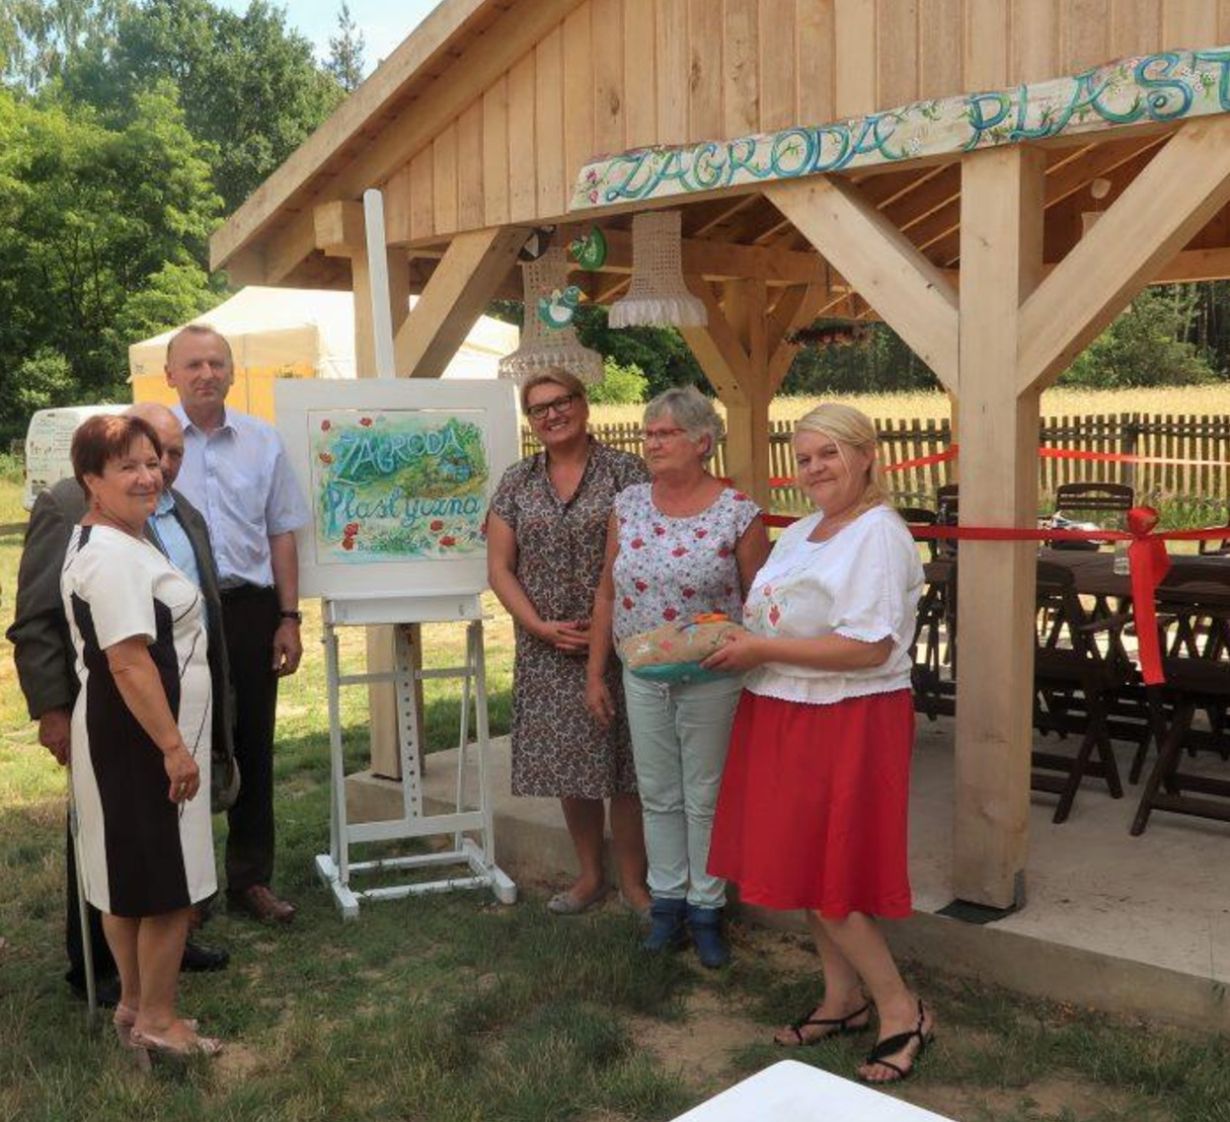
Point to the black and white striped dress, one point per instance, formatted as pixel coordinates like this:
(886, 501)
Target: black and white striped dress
(141, 854)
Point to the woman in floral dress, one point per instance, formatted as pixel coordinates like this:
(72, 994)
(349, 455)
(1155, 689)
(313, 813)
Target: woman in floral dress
(545, 535)
(684, 545)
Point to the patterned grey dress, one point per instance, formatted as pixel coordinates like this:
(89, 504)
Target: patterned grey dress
(558, 749)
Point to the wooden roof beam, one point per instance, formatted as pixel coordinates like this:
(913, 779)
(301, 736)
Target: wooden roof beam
(397, 132)
(462, 285)
(908, 291)
(718, 349)
(1184, 185)
(719, 260)
(940, 238)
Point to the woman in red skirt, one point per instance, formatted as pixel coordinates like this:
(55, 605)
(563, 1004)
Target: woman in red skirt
(815, 795)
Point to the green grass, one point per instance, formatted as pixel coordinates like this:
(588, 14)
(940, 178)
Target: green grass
(451, 1009)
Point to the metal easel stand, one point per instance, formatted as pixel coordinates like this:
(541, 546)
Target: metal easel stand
(471, 829)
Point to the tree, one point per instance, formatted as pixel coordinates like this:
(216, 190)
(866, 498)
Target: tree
(1144, 347)
(248, 85)
(91, 220)
(346, 51)
(879, 362)
(40, 38)
(620, 385)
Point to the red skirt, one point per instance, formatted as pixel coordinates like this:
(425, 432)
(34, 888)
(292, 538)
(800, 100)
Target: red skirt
(813, 811)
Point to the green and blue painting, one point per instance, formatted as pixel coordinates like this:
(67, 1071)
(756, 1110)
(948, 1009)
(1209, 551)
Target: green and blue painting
(398, 485)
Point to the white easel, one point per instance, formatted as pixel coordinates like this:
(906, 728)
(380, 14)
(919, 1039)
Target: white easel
(475, 852)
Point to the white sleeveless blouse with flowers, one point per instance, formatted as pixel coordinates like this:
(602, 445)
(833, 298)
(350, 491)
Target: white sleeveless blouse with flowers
(676, 568)
(864, 583)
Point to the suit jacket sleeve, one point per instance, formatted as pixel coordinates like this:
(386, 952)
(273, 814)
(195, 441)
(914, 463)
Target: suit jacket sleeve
(224, 772)
(42, 649)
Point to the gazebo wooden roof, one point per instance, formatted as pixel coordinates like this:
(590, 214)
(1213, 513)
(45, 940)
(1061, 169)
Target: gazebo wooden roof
(968, 235)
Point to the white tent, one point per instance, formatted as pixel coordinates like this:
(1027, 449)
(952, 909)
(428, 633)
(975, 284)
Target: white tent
(297, 333)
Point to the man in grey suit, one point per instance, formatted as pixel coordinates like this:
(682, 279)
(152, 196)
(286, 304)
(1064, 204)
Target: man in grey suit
(43, 654)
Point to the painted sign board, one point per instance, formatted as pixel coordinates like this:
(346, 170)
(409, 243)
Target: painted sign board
(49, 442)
(398, 474)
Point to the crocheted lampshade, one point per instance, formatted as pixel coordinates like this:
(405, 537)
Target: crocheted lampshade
(546, 347)
(657, 296)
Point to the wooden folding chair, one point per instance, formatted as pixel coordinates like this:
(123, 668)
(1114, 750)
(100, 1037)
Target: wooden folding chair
(1194, 634)
(1074, 684)
(934, 642)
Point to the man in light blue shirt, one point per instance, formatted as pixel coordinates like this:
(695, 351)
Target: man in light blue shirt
(236, 473)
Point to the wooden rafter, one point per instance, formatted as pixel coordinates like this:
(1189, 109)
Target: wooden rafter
(1179, 191)
(373, 133)
(463, 284)
(1063, 182)
(797, 308)
(879, 261)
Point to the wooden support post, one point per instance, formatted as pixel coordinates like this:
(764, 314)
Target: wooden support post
(732, 349)
(747, 414)
(464, 283)
(339, 228)
(1001, 262)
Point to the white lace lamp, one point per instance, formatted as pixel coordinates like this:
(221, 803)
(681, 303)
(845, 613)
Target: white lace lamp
(544, 345)
(658, 296)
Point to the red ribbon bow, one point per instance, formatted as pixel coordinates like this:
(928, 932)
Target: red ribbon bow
(1149, 563)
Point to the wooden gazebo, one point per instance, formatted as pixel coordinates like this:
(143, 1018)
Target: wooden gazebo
(928, 162)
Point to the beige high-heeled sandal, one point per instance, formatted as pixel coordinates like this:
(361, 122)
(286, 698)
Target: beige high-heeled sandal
(125, 1017)
(150, 1048)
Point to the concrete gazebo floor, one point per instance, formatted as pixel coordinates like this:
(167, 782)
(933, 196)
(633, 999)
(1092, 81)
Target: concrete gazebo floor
(1138, 926)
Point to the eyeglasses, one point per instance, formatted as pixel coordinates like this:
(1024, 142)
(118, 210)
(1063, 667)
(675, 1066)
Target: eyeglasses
(561, 405)
(651, 435)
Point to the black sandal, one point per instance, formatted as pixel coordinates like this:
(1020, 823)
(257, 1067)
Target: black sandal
(896, 1043)
(840, 1025)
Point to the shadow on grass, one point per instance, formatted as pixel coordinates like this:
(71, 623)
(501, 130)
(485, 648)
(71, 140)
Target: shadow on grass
(993, 1040)
(441, 1008)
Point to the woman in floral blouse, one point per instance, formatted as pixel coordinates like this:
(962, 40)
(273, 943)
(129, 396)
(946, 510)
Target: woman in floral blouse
(545, 537)
(684, 545)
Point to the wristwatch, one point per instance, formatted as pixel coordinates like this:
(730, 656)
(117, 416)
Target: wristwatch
(287, 614)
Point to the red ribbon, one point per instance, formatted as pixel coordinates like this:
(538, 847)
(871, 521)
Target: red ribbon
(1045, 453)
(1148, 562)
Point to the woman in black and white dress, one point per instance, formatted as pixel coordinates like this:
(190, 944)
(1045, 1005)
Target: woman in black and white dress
(140, 731)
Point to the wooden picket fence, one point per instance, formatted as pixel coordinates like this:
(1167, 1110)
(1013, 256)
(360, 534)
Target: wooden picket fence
(1202, 440)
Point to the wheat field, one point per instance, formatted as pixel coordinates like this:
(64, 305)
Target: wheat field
(1182, 400)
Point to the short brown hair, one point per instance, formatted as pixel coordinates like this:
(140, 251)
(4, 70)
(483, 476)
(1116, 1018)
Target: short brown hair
(199, 329)
(557, 376)
(103, 438)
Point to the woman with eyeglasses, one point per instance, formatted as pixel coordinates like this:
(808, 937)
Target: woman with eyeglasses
(545, 535)
(680, 546)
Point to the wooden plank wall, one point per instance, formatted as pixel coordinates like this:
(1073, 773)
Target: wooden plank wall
(619, 74)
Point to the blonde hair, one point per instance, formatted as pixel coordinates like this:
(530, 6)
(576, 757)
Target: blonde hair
(557, 376)
(850, 428)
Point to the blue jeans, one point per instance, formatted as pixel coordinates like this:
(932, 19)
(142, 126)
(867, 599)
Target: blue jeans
(679, 738)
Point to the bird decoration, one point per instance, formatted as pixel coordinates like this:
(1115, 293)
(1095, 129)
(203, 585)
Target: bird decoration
(589, 251)
(558, 309)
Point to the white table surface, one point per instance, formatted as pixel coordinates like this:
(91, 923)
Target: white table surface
(793, 1092)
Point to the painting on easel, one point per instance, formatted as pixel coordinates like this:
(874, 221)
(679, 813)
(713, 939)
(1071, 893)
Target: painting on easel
(398, 484)
(398, 474)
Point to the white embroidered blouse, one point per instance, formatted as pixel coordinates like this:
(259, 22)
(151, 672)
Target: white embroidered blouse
(863, 583)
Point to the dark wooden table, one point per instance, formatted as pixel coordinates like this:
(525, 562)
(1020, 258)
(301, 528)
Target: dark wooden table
(1095, 572)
